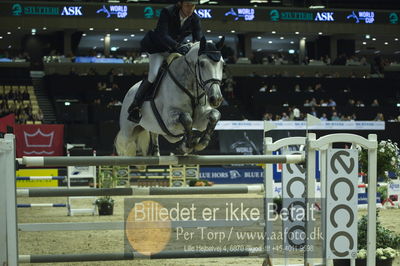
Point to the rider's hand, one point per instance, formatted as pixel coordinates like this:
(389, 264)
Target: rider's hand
(183, 49)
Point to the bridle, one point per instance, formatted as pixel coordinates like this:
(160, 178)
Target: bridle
(201, 85)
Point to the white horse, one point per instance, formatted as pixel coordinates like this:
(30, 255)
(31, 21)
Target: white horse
(183, 108)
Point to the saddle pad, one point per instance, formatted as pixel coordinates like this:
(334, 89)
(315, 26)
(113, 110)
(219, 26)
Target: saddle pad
(172, 57)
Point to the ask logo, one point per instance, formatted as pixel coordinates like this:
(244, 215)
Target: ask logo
(324, 16)
(204, 13)
(72, 11)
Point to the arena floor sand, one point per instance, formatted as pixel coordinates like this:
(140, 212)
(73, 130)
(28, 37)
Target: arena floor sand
(70, 242)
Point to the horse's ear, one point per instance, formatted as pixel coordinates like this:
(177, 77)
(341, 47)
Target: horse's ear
(203, 42)
(220, 44)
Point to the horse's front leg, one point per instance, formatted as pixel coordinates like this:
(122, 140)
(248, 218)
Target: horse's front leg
(213, 117)
(187, 122)
(155, 148)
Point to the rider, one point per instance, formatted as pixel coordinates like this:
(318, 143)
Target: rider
(175, 23)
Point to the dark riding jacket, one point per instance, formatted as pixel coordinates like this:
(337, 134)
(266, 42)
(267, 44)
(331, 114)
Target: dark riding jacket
(169, 34)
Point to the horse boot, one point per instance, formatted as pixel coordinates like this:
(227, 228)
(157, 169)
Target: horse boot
(134, 108)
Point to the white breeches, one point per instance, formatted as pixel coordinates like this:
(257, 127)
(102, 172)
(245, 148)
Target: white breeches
(155, 62)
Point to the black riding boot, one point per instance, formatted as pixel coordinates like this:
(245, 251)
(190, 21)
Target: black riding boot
(134, 108)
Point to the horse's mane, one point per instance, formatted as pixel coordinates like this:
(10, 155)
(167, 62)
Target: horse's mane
(209, 47)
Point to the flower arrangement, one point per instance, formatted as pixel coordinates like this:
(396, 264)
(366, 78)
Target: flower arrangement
(387, 241)
(381, 253)
(200, 183)
(388, 159)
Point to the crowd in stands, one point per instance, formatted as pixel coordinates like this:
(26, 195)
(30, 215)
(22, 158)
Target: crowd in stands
(376, 62)
(330, 111)
(331, 114)
(341, 60)
(19, 103)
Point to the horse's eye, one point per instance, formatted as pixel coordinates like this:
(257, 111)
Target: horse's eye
(202, 64)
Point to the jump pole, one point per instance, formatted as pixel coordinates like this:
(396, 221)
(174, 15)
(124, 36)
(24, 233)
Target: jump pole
(133, 256)
(141, 191)
(31, 205)
(159, 160)
(19, 178)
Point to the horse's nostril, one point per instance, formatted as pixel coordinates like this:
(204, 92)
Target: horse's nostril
(212, 99)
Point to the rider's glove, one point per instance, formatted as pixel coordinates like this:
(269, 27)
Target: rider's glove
(183, 49)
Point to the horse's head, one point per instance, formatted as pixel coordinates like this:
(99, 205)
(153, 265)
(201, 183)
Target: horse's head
(208, 68)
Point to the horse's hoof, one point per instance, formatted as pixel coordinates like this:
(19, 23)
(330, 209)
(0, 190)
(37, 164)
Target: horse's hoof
(202, 144)
(184, 149)
(199, 147)
(155, 151)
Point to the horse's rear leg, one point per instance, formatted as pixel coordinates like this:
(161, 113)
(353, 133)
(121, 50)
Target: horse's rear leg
(125, 143)
(143, 141)
(213, 118)
(132, 142)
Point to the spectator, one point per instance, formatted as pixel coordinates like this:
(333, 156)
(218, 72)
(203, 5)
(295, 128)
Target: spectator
(350, 103)
(229, 87)
(340, 60)
(101, 86)
(313, 112)
(323, 103)
(306, 60)
(25, 95)
(331, 102)
(360, 103)
(313, 102)
(11, 95)
(379, 117)
(327, 60)
(296, 113)
(263, 88)
(38, 116)
(377, 68)
(324, 117)
(267, 116)
(375, 103)
(284, 117)
(335, 117)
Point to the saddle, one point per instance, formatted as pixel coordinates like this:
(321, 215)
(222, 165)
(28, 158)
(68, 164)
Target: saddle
(151, 93)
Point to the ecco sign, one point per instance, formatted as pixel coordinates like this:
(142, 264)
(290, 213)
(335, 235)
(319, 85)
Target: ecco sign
(341, 203)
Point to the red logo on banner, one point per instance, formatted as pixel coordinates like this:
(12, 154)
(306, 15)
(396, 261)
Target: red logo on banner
(40, 140)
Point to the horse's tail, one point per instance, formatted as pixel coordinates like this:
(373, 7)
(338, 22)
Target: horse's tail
(133, 143)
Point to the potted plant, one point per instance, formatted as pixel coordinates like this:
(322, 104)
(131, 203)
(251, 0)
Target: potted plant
(105, 205)
(387, 242)
(107, 179)
(388, 159)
